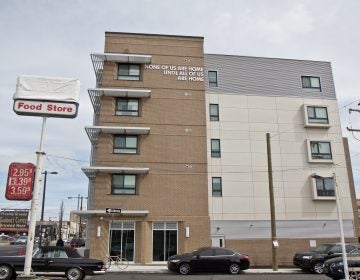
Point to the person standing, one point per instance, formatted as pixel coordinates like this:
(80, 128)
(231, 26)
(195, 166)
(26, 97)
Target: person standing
(60, 242)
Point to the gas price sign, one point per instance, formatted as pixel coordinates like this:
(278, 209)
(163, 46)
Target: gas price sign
(20, 181)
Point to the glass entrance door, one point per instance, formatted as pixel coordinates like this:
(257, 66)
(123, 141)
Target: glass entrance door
(164, 240)
(122, 240)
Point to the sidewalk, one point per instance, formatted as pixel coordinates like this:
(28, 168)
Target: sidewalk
(134, 268)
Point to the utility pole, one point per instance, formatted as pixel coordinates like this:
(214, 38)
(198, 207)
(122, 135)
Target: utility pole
(79, 207)
(272, 206)
(353, 129)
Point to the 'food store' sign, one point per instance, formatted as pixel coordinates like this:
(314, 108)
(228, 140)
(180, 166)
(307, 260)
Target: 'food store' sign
(48, 108)
(47, 96)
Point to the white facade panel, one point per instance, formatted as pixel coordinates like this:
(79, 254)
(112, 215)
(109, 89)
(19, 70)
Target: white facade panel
(254, 101)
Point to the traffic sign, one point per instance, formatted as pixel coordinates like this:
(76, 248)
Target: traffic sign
(113, 210)
(20, 181)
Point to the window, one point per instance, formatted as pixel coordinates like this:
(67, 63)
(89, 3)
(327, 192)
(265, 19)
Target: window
(129, 72)
(320, 150)
(311, 83)
(317, 114)
(216, 186)
(325, 187)
(214, 112)
(127, 107)
(122, 239)
(213, 79)
(125, 144)
(123, 184)
(165, 240)
(207, 253)
(215, 148)
(223, 252)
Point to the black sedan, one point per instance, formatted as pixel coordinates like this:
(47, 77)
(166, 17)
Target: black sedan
(334, 268)
(51, 260)
(209, 259)
(314, 261)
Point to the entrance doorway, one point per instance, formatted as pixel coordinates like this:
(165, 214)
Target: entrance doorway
(165, 235)
(122, 240)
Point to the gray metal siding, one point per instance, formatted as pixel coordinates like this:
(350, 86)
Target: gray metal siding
(267, 76)
(232, 229)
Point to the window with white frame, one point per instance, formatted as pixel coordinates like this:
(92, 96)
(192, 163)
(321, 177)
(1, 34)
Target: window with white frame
(320, 150)
(311, 83)
(129, 72)
(125, 144)
(323, 187)
(123, 184)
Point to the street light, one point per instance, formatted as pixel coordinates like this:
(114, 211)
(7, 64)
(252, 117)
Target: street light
(80, 202)
(43, 201)
(338, 206)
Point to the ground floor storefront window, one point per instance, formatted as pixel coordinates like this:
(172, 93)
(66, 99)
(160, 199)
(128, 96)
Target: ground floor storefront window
(165, 240)
(122, 240)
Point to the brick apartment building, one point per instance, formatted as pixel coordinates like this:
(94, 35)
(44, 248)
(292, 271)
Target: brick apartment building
(178, 144)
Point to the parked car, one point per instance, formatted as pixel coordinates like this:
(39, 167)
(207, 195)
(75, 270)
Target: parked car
(77, 242)
(4, 237)
(12, 240)
(52, 260)
(209, 259)
(334, 268)
(22, 240)
(314, 261)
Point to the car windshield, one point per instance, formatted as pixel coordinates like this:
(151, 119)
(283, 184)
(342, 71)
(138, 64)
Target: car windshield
(323, 248)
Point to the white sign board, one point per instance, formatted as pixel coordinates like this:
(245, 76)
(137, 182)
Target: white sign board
(47, 96)
(45, 108)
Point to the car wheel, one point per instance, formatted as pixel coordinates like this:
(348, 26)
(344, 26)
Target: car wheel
(6, 272)
(318, 267)
(354, 275)
(234, 268)
(184, 268)
(74, 273)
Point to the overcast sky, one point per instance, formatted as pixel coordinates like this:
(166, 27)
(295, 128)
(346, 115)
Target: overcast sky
(55, 38)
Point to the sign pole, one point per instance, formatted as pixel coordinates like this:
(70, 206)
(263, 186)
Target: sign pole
(34, 203)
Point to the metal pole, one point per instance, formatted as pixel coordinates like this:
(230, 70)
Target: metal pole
(78, 208)
(34, 203)
(272, 206)
(78, 202)
(343, 249)
(42, 208)
(80, 229)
